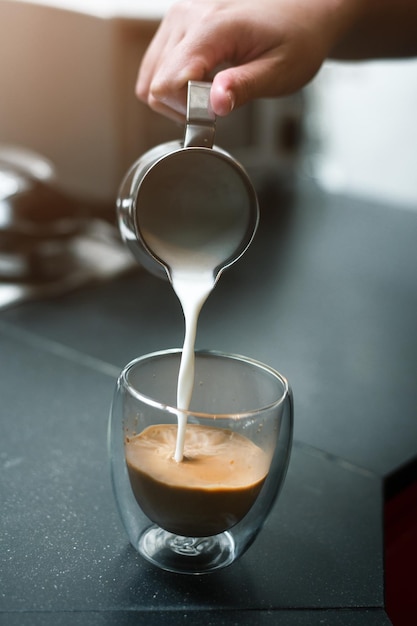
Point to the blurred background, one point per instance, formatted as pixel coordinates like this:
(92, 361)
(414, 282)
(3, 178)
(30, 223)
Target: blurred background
(71, 125)
(68, 69)
(362, 129)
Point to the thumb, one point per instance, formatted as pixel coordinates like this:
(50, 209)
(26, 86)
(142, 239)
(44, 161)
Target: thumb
(237, 85)
(272, 75)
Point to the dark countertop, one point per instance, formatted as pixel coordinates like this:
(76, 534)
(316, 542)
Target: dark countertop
(327, 294)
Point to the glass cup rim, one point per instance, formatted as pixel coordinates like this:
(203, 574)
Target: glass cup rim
(123, 380)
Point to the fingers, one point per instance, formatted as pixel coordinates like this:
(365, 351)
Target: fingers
(163, 40)
(263, 53)
(171, 61)
(193, 39)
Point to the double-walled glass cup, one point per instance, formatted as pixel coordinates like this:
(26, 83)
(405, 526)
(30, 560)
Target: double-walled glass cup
(200, 514)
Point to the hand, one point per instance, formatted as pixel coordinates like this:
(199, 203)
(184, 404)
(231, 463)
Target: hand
(248, 49)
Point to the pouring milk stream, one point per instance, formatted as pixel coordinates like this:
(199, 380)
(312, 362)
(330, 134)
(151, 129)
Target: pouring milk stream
(188, 210)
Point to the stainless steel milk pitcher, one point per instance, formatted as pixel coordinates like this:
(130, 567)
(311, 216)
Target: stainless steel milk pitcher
(188, 196)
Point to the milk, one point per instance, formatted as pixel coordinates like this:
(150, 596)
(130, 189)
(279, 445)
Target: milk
(194, 263)
(192, 289)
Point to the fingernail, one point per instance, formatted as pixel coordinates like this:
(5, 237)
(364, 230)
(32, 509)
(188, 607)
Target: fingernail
(232, 100)
(226, 103)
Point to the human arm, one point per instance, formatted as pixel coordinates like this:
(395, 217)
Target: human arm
(382, 29)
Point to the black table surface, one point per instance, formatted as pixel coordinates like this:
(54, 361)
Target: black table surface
(327, 294)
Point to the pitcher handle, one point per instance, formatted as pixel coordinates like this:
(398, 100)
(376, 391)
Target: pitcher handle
(201, 120)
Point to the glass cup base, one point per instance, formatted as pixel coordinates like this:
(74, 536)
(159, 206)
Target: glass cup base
(186, 555)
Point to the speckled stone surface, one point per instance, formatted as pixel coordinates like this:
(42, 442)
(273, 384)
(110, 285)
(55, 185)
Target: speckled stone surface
(327, 295)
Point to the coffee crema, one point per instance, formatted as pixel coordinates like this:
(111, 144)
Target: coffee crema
(211, 490)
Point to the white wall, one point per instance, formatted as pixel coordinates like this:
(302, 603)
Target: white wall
(362, 125)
